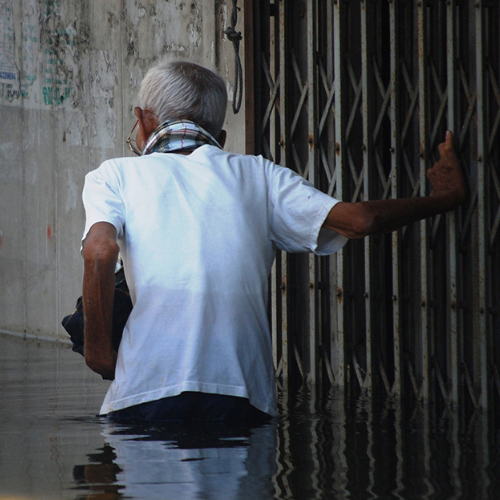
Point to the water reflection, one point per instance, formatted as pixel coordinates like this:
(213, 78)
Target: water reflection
(182, 461)
(367, 448)
(333, 447)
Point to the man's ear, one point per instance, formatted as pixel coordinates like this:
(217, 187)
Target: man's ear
(148, 123)
(222, 138)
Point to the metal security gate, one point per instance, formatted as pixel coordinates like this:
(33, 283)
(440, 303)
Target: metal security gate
(356, 96)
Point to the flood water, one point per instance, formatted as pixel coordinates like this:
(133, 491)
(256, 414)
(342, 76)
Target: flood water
(53, 446)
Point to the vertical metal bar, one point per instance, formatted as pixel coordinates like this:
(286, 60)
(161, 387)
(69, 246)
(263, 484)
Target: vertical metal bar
(455, 451)
(275, 325)
(394, 43)
(250, 76)
(424, 302)
(482, 439)
(313, 166)
(427, 453)
(399, 448)
(326, 24)
(274, 68)
(367, 160)
(283, 143)
(276, 275)
(337, 354)
(451, 218)
(261, 27)
(481, 207)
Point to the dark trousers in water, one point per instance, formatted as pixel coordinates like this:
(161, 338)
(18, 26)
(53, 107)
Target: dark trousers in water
(194, 406)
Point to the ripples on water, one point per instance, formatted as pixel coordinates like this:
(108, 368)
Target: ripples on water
(52, 446)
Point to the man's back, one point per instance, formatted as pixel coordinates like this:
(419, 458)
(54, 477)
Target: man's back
(197, 234)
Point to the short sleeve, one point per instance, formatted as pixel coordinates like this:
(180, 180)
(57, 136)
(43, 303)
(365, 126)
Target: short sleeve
(298, 211)
(102, 200)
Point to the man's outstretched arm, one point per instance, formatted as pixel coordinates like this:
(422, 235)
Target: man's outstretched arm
(357, 220)
(100, 253)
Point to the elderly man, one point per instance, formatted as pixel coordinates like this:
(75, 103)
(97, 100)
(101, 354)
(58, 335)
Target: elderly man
(197, 228)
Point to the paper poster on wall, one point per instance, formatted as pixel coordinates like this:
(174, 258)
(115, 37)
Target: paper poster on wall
(9, 74)
(8, 71)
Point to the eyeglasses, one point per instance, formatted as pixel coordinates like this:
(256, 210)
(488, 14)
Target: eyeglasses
(131, 142)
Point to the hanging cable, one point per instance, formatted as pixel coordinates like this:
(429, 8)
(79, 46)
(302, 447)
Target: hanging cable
(235, 37)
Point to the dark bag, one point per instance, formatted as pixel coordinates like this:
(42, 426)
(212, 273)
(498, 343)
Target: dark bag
(122, 305)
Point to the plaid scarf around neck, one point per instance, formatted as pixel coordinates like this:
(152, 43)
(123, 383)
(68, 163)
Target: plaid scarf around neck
(178, 135)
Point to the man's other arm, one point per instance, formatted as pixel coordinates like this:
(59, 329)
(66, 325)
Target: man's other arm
(357, 220)
(100, 253)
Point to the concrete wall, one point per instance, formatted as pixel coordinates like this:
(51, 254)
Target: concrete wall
(69, 75)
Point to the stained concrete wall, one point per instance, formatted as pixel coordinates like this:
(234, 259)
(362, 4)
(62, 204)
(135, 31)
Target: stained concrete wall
(69, 75)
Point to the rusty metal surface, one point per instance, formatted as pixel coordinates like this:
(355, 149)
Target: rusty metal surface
(366, 93)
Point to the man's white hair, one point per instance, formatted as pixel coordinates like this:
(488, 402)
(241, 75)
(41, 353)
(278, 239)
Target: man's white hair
(181, 89)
